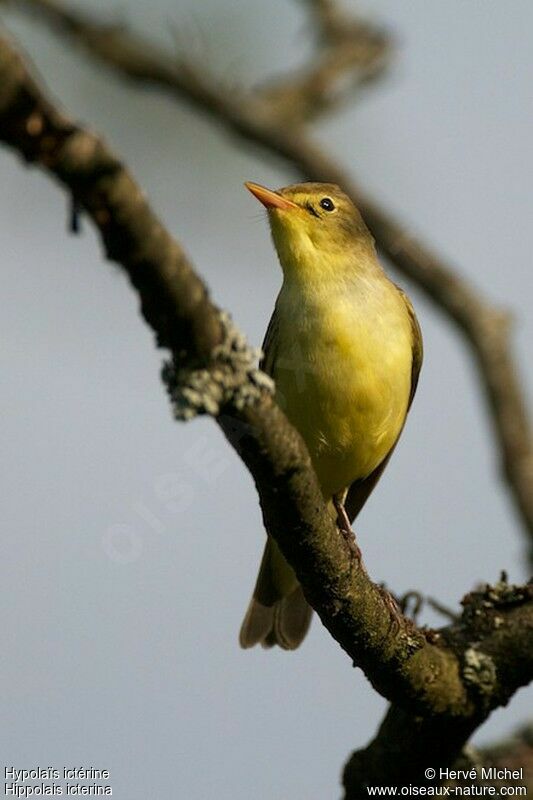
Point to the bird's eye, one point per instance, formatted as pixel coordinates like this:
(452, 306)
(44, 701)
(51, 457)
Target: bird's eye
(327, 204)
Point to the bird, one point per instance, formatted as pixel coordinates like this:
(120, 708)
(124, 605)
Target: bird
(344, 349)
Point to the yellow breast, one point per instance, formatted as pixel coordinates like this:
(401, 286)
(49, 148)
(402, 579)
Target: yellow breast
(342, 369)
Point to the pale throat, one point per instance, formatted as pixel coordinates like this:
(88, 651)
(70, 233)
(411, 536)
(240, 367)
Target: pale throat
(312, 267)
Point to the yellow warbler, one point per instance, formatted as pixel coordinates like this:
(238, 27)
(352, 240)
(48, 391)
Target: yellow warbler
(344, 349)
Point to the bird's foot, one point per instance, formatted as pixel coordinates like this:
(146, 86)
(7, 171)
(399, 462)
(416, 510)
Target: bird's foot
(393, 608)
(343, 523)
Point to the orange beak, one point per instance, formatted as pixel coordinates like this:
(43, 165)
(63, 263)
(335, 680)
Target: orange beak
(269, 198)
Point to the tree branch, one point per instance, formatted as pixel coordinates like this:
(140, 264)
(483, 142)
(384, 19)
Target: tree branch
(450, 679)
(494, 622)
(350, 53)
(402, 736)
(176, 305)
(252, 120)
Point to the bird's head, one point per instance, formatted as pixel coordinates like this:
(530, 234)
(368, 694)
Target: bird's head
(316, 228)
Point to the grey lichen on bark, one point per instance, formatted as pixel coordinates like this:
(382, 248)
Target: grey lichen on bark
(480, 671)
(231, 379)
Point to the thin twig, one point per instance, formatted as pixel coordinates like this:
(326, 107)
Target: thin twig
(350, 53)
(443, 610)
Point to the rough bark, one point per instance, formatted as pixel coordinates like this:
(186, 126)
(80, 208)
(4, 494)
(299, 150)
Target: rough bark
(441, 683)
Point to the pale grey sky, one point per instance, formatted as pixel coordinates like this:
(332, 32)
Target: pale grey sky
(121, 607)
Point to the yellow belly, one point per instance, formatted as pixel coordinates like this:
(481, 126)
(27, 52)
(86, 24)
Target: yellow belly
(343, 375)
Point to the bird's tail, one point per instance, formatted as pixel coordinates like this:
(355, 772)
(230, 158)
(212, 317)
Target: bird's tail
(278, 612)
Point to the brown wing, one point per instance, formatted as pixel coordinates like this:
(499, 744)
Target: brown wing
(418, 345)
(360, 490)
(269, 346)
